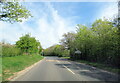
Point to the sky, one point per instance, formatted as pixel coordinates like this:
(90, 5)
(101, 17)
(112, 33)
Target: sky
(52, 19)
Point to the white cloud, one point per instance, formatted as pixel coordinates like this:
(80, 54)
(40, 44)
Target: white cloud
(48, 28)
(10, 33)
(51, 32)
(109, 11)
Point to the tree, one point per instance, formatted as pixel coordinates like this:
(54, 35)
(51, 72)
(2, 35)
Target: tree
(106, 35)
(68, 42)
(98, 43)
(84, 40)
(55, 50)
(28, 44)
(13, 12)
(58, 50)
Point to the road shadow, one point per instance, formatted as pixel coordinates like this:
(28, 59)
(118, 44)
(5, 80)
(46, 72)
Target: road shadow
(89, 71)
(100, 75)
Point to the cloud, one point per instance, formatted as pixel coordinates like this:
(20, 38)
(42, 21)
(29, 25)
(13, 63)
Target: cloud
(48, 27)
(109, 11)
(8, 32)
(52, 26)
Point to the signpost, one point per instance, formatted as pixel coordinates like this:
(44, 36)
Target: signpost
(77, 54)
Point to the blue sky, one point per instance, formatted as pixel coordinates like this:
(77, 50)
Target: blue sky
(52, 19)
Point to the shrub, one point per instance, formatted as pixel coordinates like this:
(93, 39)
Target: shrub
(10, 50)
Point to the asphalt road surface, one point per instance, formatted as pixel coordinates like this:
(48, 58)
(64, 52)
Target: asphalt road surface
(58, 69)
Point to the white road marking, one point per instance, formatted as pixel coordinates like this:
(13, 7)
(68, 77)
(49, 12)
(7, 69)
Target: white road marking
(67, 68)
(69, 62)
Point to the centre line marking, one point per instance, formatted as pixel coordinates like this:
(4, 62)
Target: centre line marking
(69, 69)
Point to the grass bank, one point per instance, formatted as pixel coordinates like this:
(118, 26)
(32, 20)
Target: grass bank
(0, 69)
(65, 57)
(98, 65)
(11, 65)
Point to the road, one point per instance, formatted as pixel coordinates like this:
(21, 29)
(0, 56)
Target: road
(58, 69)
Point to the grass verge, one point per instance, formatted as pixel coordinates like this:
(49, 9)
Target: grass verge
(66, 57)
(0, 69)
(11, 65)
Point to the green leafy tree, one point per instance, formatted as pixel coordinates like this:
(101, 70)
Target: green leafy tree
(68, 42)
(28, 44)
(84, 40)
(13, 12)
(100, 43)
(58, 50)
(55, 50)
(106, 35)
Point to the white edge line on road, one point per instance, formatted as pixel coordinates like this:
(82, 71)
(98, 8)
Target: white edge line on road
(67, 68)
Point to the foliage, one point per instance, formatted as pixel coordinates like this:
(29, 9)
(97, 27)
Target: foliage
(65, 53)
(56, 50)
(49, 51)
(98, 43)
(40, 49)
(10, 50)
(0, 69)
(67, 39)
(28, 44)
(68, 42)
(13, 12)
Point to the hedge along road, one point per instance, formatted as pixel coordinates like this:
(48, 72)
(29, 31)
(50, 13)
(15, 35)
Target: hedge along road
(58, 69)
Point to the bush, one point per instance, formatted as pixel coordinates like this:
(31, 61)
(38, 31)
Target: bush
(10, 50)
(55, 50)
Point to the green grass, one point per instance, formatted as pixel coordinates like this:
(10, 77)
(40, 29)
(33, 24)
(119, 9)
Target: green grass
(66, 57)
(101, 66)
(11, 65)
(0, 69)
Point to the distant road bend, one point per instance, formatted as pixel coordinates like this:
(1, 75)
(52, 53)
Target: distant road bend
(58, 69)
